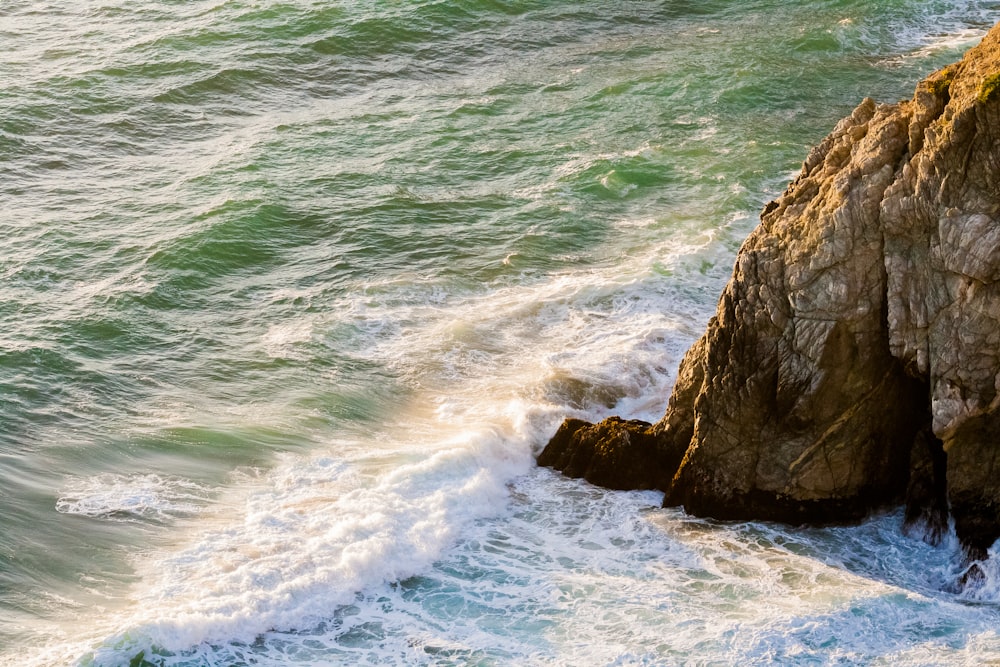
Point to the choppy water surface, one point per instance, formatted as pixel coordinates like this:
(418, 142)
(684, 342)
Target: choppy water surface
(291, 293)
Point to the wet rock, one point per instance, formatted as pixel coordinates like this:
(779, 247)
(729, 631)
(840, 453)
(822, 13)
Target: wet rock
(615, 453)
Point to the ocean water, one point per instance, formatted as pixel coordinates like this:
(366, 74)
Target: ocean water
(291, 293)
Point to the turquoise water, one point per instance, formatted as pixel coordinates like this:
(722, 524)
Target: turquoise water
(292, 292)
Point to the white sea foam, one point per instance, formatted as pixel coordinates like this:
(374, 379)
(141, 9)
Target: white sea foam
(961, 38)
(592, 341)
(945, 29)
(132, 497)
(322, 530)
(560, 573)
(281, 339)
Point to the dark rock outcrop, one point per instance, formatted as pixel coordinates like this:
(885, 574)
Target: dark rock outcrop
(615, 453)
(854, 359)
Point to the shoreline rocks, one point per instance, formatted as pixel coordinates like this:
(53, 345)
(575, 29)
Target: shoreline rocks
(854, 359)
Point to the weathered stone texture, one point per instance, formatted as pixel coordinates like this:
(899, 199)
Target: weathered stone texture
(801, 415)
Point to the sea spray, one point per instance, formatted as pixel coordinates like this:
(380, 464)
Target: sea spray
(132, 498)
(569, 574)
(322, 532)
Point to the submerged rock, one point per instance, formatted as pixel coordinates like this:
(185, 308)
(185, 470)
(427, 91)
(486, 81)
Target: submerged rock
(854, 359)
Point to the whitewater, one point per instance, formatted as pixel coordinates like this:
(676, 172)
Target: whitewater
(292, 294)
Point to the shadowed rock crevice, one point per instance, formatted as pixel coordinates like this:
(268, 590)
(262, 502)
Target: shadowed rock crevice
(853, 362)
(926, 515)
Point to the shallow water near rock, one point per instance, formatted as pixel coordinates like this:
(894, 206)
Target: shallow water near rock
(293, 292)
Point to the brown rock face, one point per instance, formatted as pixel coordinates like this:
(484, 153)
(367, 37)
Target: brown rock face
(854, 359)
(803, 413)
(615, 453)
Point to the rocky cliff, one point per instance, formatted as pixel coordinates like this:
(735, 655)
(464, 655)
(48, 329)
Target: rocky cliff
(854, 359)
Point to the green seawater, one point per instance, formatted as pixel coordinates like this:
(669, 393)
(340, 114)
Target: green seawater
(290, 293)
